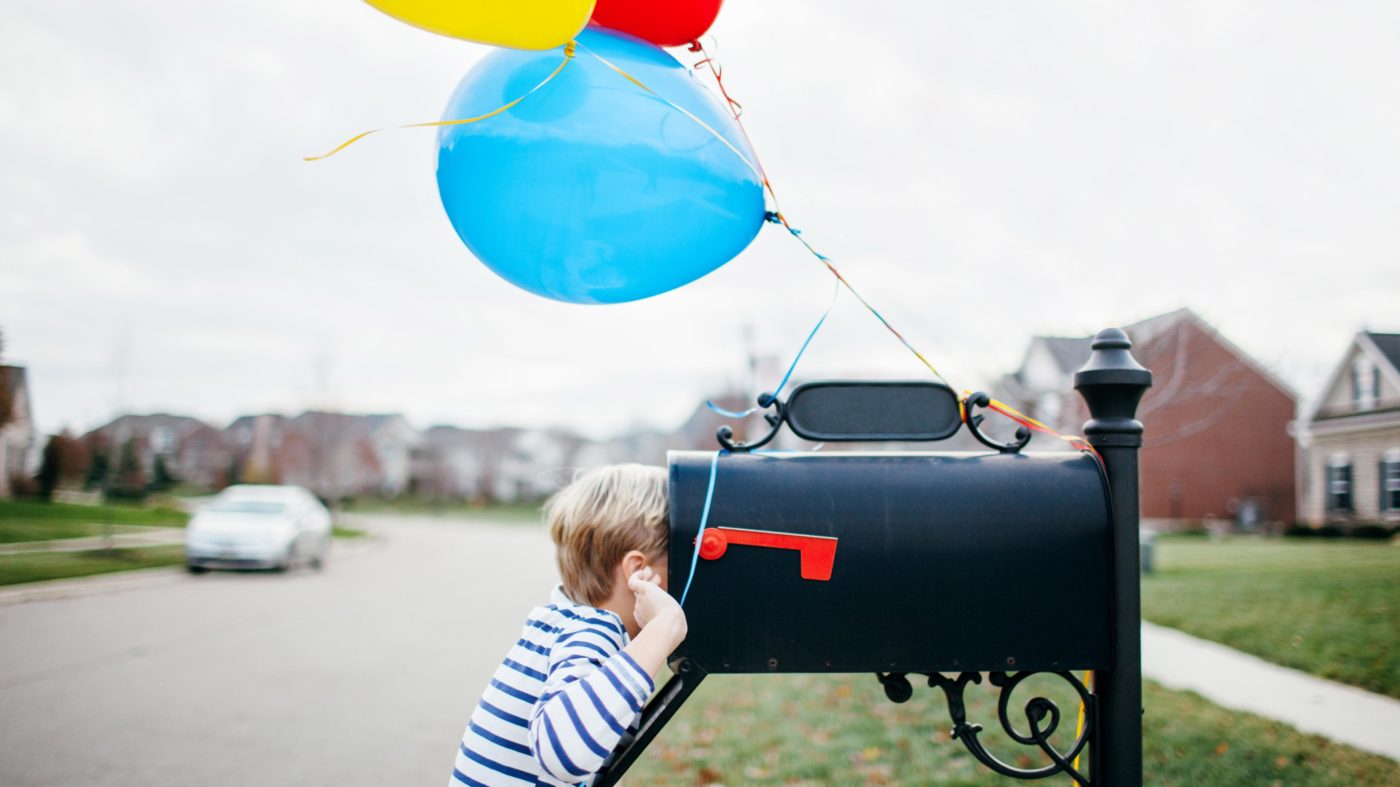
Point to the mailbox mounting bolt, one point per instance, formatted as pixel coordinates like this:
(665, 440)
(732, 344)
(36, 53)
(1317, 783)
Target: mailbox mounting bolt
(772, 664)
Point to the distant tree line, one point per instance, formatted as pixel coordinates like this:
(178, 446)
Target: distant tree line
(68, 462)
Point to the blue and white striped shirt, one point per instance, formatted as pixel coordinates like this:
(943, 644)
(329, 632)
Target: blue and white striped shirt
(559, 703)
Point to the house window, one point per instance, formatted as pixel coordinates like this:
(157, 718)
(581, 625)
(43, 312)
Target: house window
(1365, 384)
(1390, 480)
(1047, 408)
(1339, 484)
(163, 439)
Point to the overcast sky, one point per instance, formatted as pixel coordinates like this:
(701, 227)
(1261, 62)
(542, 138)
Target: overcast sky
(982, 171)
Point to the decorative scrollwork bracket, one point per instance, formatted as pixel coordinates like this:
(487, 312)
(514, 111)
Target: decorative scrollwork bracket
(775, 419)
(974, 423)
(1042, 719)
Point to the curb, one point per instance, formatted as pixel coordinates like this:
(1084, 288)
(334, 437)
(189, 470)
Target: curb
(76, 587)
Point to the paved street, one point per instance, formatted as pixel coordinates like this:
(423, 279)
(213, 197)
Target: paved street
(362, 675)
(365, 674)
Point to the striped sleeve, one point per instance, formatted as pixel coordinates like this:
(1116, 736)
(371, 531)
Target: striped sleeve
(592, 694)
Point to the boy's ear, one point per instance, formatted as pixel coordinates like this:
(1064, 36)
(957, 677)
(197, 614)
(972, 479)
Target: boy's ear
(632, 562)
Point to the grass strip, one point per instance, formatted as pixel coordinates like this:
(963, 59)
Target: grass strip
(1330, 609)
(30, 520)
(840, 729)
(35, 567)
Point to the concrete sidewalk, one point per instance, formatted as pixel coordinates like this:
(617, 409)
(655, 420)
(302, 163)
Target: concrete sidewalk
(123, 537)
(1227, 677)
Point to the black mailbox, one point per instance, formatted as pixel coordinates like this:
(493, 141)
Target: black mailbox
(895, 562)
(936, 565)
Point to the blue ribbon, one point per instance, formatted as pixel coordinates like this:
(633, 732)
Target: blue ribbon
(704, 518)
(714, 462)
(791, 367)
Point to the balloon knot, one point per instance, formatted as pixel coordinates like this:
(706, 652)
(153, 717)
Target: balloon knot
(569, 48)
(695, 46)
(772, 216)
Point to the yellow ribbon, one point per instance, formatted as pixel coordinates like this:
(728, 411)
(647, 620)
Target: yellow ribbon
(568, 55)
(1079, 728)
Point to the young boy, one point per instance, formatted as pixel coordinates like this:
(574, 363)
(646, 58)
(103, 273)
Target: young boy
(584, 664)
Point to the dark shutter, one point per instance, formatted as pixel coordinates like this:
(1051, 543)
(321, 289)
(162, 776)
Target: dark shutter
(1345, 503)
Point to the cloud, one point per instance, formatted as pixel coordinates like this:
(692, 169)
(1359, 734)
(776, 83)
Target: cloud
(982, 172)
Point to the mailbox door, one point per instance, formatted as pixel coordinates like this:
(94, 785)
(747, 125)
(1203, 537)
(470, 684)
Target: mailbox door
(943, 562)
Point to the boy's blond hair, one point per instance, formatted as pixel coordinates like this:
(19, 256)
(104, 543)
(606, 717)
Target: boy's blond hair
(599, 518)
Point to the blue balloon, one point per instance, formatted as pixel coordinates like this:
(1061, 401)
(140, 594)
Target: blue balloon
(592, 190)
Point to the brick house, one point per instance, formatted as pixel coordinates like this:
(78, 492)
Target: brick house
(505, 465)
(193, 451)
(333, 454)
(1349, 457)
(1217, 442)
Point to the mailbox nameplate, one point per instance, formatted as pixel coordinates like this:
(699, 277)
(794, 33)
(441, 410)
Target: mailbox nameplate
(873, 410)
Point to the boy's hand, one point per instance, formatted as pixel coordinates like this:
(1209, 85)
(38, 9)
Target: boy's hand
(656, 606)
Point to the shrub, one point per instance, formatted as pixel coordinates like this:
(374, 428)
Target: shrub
(1374, 532)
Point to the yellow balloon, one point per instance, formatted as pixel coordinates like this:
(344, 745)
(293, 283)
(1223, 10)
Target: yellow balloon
(522, 24)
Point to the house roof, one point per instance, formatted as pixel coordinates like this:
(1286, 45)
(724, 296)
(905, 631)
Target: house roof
(1069, 353)
(1379, 346)
(1389, 346)
(250, 420)
(153, 420)
(1146, 330)
(1072, 352)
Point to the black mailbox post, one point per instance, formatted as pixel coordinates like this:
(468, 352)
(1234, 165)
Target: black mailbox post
(986, 552)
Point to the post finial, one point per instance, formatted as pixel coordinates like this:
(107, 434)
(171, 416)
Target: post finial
(1112, 383)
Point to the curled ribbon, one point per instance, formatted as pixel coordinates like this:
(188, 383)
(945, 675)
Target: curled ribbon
(568, 55)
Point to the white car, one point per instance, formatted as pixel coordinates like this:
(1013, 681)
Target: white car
(258, 527)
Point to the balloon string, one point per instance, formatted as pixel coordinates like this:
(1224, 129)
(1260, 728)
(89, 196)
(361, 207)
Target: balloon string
(1036, 426)
(704, 520)
(568, 55)
(776, 216)
(836, 292)
(673, 105)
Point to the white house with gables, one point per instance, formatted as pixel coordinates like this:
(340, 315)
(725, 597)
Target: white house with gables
(1349, 446)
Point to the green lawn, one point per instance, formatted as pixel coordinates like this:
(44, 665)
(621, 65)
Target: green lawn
(1329, 608)
(840, 729)
(33, 567)
(26, 520)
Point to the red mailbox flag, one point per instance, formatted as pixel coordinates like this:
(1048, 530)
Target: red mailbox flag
(818, 553)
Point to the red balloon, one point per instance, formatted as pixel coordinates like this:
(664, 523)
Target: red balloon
(662, 22)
